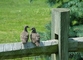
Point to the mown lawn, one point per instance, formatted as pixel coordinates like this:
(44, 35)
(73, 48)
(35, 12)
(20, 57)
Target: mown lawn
(15, 14)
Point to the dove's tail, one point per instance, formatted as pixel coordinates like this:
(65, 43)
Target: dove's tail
(37, 43)
(24, 41)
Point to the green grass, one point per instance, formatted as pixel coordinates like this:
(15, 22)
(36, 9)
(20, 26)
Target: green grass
(15, 14)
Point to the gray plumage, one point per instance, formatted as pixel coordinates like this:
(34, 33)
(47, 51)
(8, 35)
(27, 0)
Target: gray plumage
(35, 37)
(24, 35)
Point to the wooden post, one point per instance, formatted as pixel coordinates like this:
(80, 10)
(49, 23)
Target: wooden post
(53, 28)
(59, 31)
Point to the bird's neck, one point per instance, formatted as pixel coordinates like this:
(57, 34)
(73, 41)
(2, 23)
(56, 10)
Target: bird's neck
(25, 29)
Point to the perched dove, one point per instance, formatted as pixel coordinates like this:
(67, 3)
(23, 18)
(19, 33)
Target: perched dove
(35, 37)
(24, 35)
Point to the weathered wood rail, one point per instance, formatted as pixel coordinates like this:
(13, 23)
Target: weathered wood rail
(59, 44)
(17, 50)
(76, 44)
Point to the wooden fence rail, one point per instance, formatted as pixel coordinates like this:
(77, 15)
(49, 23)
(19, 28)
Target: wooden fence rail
(17, 50)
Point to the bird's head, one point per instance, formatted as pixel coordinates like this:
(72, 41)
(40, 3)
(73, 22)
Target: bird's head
(33, 29)
(25, 28)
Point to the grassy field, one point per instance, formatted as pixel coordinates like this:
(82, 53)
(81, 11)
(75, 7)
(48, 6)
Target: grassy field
(15, 14)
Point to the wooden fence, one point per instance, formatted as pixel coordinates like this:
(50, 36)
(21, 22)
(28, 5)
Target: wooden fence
(58, 47)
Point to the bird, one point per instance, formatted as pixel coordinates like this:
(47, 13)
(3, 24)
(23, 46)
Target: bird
(24, 35)
(35, 37)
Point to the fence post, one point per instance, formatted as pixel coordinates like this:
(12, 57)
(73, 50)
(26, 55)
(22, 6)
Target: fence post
(59, 31)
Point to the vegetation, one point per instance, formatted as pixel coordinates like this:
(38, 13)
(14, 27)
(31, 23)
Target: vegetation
(76, 22)
(15, 14)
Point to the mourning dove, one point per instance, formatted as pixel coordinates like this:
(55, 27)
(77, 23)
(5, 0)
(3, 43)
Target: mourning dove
(24, 35)
(35, 37)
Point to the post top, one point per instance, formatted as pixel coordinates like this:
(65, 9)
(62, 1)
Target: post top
(60, 9)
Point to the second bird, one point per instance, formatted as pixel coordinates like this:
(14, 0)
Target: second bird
(35, 37)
